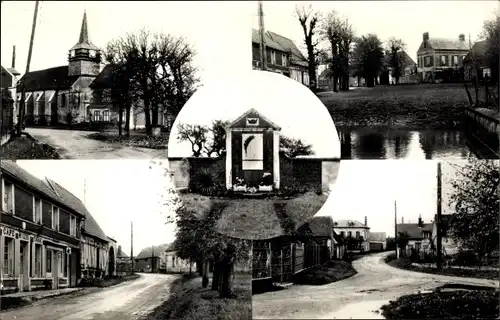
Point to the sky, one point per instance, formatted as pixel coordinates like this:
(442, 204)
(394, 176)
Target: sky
(406, 20)
(203, 24)
(370, 187)
(276, 97)
(118, 192)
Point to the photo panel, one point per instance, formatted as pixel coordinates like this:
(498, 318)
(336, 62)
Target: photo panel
(414, 230)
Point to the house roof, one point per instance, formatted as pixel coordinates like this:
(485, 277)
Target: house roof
(321, 226)
(102, 81)
(153, 251)
(281, 43)
(377, 236)
(47, 79)
(478, 51)
(91, 227)
(349, 224)
(13, 71)
(172, 247)
(445, 44)
(413, 230)
(403, 56)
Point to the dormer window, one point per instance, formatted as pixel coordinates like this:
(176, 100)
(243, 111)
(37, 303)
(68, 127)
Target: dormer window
(92, 53)
(72, 53)
(252, 121)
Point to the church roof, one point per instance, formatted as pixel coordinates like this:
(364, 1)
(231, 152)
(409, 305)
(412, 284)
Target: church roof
(83, 41)
(47, 79)
(103, 80)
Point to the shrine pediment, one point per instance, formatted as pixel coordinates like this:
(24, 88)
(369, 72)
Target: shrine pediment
(253, 119)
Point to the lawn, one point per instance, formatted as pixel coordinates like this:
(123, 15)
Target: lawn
(468, 273)
(420, 105)
(457, 304)
(136, 139)
(329, 272)
(189, 301)
(25, 148)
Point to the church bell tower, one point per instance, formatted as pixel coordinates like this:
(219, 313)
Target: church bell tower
(84, 57)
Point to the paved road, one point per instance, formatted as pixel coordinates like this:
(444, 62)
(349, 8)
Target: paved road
(126, 301)
(73, 144)
(358, 297)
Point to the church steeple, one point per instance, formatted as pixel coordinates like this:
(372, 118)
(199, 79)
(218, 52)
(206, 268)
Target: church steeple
(84, 57)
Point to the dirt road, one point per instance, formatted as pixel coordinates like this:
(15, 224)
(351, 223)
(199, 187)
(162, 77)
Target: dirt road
(73, 144)
(358, 297)
(126, 301)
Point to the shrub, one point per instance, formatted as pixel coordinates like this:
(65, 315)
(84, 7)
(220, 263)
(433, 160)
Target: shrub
(465, 258)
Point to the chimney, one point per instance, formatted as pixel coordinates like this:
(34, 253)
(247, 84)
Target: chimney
(426, 36)
(461, 37)
(402, 219)
(366, 221)
(13, 57)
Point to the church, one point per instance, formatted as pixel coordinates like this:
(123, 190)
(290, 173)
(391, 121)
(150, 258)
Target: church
(67, 94)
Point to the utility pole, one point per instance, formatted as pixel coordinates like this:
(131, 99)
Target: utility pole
(396, 229)
(263, 60)
(438, 219)
(132, 244)
(152, 258)
(84, 192)
(22, 104)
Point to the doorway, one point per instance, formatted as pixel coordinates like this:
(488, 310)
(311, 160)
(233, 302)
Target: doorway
(24, 276)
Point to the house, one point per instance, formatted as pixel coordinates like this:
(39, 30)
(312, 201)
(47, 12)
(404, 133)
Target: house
(408, 69)
(9, 78)
(40, 233)
(174, 264)
(449, 246)
(354, 233)
(325, 79)
(476, 64)
(64, 94)
(441, 59)
(377, 240)
(151, 259)
(322, 231)
(282, 56)
(419, 235)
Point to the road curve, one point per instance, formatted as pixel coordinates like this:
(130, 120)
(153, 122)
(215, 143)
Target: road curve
(358, 297)
(127, 301)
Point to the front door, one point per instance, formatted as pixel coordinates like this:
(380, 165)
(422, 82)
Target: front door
(24, 266)
(252, 158)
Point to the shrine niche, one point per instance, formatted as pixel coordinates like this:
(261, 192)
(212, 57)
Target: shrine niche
(252, 154)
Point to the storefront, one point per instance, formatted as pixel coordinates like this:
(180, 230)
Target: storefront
(31, 262)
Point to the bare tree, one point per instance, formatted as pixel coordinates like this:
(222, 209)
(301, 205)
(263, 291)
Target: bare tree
(395, 48)
(308, 19)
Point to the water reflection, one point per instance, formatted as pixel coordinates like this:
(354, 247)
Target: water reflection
(377, 143)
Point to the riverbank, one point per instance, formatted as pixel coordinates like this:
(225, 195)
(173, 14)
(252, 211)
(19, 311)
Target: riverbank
(419, 105)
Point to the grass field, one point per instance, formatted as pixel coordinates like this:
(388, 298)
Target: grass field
(417, 105)
(189, 301)
(329, 272)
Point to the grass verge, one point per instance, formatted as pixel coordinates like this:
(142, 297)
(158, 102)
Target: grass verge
(139, 140)
(474, 304)
(329, 272)
(103, 283)
(405, 264)
(415, 105)
(189, 301)
(26, 147)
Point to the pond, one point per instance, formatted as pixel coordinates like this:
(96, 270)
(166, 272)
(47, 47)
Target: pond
(384, 143)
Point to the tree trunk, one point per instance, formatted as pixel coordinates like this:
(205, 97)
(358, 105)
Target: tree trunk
(370, 82)
(120, 119)
(359, 81)
(127, 120)
(204, 274)
(154, 116)
(216, 277)
(335, 83)
(226, 287)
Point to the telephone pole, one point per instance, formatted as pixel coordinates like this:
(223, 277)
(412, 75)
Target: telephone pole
(132, 244)
(22, 104)
(152, 258)
(396, 229)
(438, 219)
(263, 61)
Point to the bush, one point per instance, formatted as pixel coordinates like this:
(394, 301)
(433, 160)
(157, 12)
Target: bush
(465, 258)
(329, 272)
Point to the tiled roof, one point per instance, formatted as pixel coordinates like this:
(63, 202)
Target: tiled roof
(91, 226)
(321, 226)
(153, 251)
(403, 56)
(414, 232)
(13, 71)
(447, 44)
(47, 79)
(102, 81)
(478, 51)
(278, 42)
(377, 236)
(348, 224)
